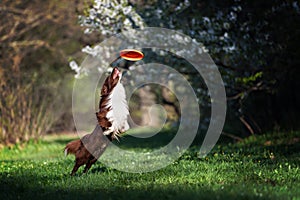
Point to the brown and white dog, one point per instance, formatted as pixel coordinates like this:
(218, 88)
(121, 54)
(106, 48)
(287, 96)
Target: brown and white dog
(113, 108)
(112, 121)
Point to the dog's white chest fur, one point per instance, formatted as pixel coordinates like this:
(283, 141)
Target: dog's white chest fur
(119, 110)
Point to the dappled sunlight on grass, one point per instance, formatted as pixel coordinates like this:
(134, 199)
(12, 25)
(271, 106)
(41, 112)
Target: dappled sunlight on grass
(247, 170)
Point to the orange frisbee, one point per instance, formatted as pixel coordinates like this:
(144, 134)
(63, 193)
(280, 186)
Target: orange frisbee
(131, 54)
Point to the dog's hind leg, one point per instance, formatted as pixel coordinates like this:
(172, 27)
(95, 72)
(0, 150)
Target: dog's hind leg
(89, 164)
(75, 168)
(78, 163)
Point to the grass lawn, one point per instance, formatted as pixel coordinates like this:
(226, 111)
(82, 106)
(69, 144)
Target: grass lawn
(260, 167)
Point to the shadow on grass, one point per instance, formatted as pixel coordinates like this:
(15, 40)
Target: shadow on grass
(159, 140)
(128, 141)
(32, 187)
(285, 147)
(260, 146)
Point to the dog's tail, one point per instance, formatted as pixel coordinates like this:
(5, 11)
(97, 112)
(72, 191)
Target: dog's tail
(73, 147)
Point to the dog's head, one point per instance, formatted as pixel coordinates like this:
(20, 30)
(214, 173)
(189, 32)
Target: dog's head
(111, 82)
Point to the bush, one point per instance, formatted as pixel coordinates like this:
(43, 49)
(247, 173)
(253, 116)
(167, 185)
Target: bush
(25, 113)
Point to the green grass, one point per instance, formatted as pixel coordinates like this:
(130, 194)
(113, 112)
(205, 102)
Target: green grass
(260, 167)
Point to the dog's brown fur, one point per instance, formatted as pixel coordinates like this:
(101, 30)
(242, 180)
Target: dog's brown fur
(109, 84)
(90, 147)
(82, 155)
(95, 142)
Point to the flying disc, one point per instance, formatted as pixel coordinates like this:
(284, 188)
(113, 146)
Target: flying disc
(131, 54)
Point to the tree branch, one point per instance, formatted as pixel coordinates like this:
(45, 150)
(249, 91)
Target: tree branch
(248, 126)
(11, 10)
(30, 24)
(232, 136)
(258, 86)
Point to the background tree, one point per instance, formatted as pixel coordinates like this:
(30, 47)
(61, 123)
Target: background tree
(37, 40)
(253, 43)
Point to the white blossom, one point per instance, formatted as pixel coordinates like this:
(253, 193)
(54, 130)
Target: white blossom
(111, 17)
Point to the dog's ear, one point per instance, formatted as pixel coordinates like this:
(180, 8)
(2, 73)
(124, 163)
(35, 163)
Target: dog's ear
(105, 86)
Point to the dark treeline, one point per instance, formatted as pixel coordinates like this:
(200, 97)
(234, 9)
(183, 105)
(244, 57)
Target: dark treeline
(256, 46)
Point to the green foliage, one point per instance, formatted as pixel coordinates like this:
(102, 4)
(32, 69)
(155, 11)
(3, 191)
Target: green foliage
(250, 79)
(263, 167)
